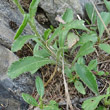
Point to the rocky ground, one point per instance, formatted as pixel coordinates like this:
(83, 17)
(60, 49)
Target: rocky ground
(10, 20)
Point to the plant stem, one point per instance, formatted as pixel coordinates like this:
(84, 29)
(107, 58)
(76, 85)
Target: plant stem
(66, 86)
(33, 27)
(74, 61)
(51, 77)
(41, 103)
(19, 6)
(100, 17)
(31, 23)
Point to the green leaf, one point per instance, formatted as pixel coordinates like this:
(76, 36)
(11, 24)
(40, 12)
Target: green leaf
(80, 88)
(47, 33)
(107, 4)
(40, 86)
(19, 6)
(68, 15)
(55, 45)
(87, 77)
(59, 53)
(106, 73)
(76, 24)
(52, 102)
(101, 108)
(72, 39)
(36, 48)
(29, 99)
(68, 72)
(41, 53)
(81, 60)
(91, 12)
(105, 47)
(108, 90)
(62, 37)
(101, 73)
(94, 28)
(39, 43)
(106, 18)
(52, 106)
(92, 36)
(92, 103)
(86, 49)
(26, 65)
(92, 65)
(33, 8)
(20, 41)
(22, 26)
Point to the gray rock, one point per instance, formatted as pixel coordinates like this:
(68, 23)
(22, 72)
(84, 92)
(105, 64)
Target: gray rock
(6, 58)
(9, 17)
(58, 7)
(8, 98)
(10, 20)
(8, 102)
(13, 88)
(24, 83)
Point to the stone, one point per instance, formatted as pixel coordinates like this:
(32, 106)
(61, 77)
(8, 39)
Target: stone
(9, 102)
(10, 20)
(8, 99)
(37, 108)
(6, 58)
(11, 90)
(58, 7)
(24, 83)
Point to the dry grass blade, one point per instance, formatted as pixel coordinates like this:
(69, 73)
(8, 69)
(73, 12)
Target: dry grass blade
(103, 88)
(30, 48)
(50, 50)
(59, 19)
(100, 17)
(51, 77)
(66, 88)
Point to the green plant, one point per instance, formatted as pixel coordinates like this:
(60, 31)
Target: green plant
(51, 47)
(40, 89)
(93, 102)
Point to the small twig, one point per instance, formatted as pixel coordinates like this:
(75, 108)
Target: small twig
(96, 52)
(50, 50)
(66, 88)
(78, 17)
(108, 82)
(29, 48)
(59, 19)
(99, 3)
(103, 88)
(51, 77)
(93, 25)
(106, 61)
(100, 17)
